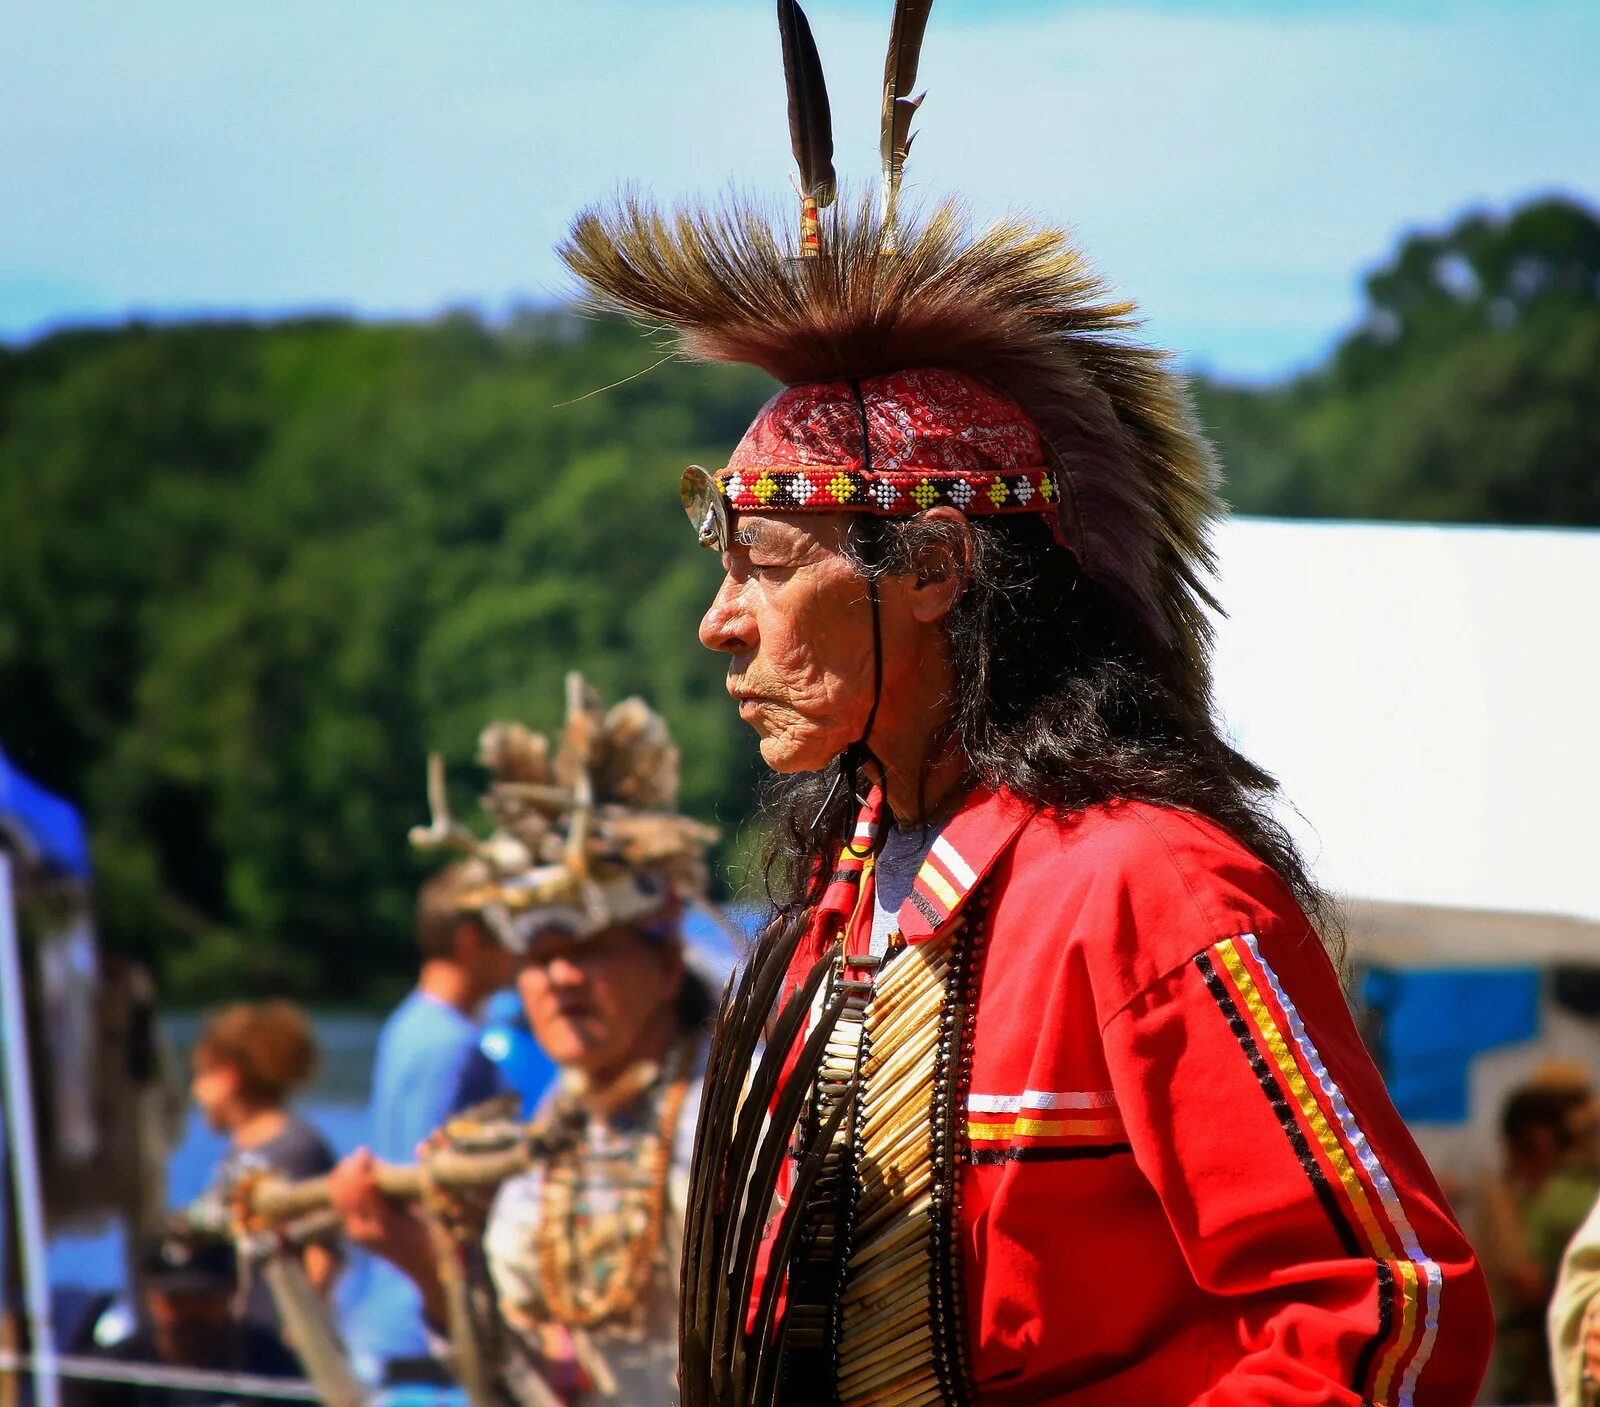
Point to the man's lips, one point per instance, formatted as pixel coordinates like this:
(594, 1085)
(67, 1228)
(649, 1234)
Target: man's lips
(750, 701)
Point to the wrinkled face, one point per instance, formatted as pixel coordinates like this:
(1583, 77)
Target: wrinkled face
(590, 1000)
(793, 616)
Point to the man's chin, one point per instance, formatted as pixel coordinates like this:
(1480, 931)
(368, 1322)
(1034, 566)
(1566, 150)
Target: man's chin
(788, 754)
(566, 1039)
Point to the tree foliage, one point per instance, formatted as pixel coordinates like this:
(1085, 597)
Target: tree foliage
(251, 574)
(1466, 395)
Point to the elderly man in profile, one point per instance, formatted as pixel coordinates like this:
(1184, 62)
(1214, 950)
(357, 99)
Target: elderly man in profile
(1103, 1130)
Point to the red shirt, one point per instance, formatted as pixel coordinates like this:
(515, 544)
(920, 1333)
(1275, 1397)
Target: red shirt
(1185, 1182)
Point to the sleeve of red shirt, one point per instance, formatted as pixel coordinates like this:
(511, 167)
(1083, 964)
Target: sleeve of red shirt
(1293, 1188)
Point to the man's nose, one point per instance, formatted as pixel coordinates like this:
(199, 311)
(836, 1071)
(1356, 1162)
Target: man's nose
(564, 970)
(725, 625)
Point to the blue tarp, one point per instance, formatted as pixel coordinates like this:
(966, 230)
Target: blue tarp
(1435, 1022)
(46, 828)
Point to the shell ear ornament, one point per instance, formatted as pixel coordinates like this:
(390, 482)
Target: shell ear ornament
(707, 510)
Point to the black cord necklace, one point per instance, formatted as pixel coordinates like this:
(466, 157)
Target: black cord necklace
(860, 752)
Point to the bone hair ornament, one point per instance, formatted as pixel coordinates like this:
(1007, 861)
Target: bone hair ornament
(590, 830)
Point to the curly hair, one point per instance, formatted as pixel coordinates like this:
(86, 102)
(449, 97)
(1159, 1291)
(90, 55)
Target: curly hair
(1063, 702)
(269, 1044)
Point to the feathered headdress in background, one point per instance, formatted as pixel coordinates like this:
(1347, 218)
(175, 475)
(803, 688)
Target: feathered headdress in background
(925, 362)
(584, 840)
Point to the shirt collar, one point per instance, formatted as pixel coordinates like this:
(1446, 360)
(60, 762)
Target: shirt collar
(965, 850)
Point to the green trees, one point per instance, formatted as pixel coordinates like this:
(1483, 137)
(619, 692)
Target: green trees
(249, 575)
(1466, 395)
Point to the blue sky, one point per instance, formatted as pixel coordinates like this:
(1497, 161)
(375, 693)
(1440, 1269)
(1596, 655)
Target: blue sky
(1234, 165)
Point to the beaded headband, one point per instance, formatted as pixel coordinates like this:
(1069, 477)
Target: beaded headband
(890, 445)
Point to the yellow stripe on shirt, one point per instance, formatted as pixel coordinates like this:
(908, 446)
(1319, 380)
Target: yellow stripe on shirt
(941, 887)
(1295, 1078)
(1046, 1128)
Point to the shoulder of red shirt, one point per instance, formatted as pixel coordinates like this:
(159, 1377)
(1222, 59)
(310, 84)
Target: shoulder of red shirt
(1138, 888)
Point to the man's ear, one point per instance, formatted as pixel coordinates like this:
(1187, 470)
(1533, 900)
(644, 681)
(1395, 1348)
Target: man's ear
(942, 564)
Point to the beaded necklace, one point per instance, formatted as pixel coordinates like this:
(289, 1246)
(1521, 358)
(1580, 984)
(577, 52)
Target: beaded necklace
(640, 1219)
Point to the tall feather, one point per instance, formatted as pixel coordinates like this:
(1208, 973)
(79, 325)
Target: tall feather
(899, 107)
(810, 121)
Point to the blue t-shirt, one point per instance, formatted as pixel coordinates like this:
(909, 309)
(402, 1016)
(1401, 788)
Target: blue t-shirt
(428, 1067)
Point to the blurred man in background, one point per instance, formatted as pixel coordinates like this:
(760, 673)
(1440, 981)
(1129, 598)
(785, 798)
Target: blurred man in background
(189, 1322)
(1532, 1208)
(571, 1284)
(429, 1066)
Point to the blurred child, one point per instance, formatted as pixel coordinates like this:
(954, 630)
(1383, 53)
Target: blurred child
(250, 1058)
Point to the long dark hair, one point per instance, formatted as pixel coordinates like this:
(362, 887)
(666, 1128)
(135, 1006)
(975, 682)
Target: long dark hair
(1064, 700)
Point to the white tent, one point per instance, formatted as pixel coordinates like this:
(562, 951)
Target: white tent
(1429, 698)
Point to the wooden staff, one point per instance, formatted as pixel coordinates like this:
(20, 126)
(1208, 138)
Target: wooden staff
(268, 1198)
(273, 1199)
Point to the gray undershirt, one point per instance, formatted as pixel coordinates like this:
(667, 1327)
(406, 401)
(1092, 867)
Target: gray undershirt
(896, 868)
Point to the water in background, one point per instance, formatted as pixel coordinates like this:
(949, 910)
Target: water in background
(336, 1103)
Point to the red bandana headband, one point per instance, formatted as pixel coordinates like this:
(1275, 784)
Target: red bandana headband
(889, 445)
